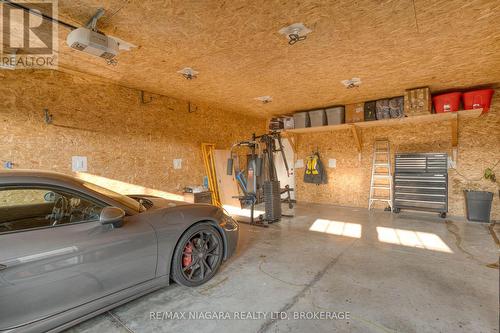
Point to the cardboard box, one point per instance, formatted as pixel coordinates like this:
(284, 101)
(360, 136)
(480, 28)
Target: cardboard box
(354, 112)
(417, 101)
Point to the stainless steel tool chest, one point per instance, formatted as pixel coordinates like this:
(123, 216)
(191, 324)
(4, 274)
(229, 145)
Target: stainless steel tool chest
(421, 182)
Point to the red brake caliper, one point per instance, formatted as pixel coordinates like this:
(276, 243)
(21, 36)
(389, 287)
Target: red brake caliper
(187, 259)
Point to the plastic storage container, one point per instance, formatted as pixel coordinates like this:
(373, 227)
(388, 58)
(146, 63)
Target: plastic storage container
(383, 109)
(478, 204)
(335, 115)
(301, 120)
(478, 99)
(317, 117)
(370, 111)
(396, 107)
(447, 102)
(288, 123)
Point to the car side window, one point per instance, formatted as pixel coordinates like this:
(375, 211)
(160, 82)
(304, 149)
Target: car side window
(28, 208)
(22, 197)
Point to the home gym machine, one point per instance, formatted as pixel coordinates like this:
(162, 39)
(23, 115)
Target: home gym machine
(259, 181)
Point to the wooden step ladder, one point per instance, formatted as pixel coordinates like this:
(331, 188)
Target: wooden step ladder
(381, 171)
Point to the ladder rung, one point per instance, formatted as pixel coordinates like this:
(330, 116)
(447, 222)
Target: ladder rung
(382, 187)
(382, 164)
(380, 199)
(381, 151)
(381, 175)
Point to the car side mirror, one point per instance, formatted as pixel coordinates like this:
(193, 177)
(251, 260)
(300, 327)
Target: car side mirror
(112, 215)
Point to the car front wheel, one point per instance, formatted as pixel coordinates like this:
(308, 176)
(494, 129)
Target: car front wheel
(198, 255)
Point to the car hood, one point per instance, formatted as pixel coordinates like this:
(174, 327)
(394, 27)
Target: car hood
(152, 202)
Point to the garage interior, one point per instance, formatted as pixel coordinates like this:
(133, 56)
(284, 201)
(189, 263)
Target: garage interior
(141, 125)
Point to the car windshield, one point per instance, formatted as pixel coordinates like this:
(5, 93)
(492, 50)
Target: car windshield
(123, 199)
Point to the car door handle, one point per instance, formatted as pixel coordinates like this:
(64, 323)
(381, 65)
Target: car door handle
(2, 267)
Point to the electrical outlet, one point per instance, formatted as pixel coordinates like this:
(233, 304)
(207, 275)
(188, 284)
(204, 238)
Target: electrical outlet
(79, 163)
(178, 164)
(332, 163)
(451, 163)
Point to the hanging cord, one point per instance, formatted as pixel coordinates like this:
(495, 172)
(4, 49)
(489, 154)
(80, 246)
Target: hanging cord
(482, 176)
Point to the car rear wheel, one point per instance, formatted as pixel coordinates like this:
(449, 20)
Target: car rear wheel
(198, 255)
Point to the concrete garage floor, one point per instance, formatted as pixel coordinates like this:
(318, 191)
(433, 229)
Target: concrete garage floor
(410, 272)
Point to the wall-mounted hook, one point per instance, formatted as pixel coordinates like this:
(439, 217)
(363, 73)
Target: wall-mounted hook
(143, 100)
(192, 108)
(47, 116)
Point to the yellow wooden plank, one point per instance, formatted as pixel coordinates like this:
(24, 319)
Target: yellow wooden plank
(454, 132)
(207, 150)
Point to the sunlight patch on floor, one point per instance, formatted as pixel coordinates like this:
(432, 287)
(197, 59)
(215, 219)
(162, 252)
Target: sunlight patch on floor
(337, 228)
(237, 211)
(410, 238)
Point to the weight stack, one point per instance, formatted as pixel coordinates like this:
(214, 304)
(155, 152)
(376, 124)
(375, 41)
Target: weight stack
(272, 199)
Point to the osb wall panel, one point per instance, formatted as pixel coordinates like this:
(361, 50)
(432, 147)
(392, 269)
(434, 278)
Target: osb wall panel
(236, 47)
(349, 183)
(123, 138)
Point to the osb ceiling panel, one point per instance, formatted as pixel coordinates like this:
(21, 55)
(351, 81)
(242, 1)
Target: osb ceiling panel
(236, 47)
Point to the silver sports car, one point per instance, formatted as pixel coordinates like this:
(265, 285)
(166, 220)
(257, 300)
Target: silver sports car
(70, 250)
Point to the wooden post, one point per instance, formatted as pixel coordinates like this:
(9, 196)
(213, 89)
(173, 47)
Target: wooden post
(357, 137)
(454, 131)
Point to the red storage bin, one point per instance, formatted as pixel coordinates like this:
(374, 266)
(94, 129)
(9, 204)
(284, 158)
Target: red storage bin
(447, 102)
(478, 99)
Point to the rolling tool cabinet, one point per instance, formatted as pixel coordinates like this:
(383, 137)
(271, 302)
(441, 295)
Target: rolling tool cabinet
(421, 182)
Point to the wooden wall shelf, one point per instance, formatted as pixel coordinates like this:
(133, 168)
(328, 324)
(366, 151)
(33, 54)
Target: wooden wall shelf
(355, 128)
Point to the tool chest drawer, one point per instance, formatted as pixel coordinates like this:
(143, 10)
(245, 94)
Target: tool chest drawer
(422, 163)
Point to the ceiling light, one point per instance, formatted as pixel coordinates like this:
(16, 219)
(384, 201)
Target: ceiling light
(295, 33)
(264, 99)
(352, 83)
(188, 73)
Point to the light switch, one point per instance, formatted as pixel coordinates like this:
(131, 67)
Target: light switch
(451, 163)
(178, 163)
(332, 163)
(79, 163)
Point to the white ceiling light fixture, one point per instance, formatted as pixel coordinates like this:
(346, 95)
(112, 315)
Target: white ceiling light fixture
(188, 73)
(355, 82)
(264, 99)
(295, 32)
